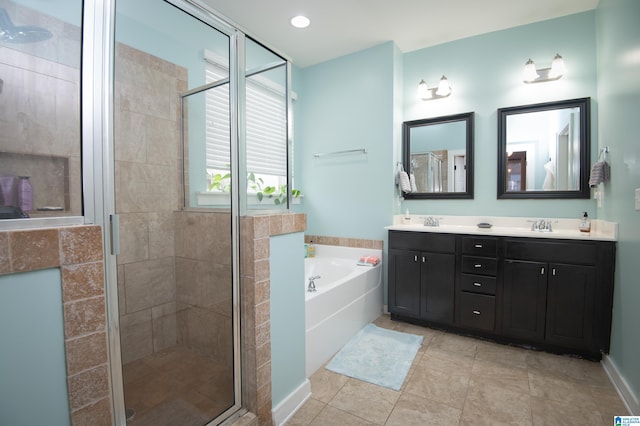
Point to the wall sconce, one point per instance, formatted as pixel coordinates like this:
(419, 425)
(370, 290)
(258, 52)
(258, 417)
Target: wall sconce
(442, 91)
(554, 72)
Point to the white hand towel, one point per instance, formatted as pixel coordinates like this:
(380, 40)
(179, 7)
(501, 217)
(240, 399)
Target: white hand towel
(405, 184)
(412, 181)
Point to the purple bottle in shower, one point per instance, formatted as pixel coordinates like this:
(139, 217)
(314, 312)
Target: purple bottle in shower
(25, 194)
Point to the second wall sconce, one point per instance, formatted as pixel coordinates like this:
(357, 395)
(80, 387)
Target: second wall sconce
(554, 72)
(442, 91)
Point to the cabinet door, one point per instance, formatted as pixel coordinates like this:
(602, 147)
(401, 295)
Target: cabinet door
(404, 282)
(570, 305)
(437, 289)
(524, 300)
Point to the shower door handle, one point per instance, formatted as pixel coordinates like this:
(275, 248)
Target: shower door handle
(114, 234)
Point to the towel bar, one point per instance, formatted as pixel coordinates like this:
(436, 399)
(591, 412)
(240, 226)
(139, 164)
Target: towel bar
(349, 151)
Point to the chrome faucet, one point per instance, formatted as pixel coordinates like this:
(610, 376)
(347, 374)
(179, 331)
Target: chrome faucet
(312, 285)
(541, 225)
(431, 221)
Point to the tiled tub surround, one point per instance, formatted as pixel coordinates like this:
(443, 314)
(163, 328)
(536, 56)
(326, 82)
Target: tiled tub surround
(344, 242)
(77, 251)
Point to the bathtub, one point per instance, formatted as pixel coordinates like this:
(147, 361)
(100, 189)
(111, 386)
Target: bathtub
(347, 297)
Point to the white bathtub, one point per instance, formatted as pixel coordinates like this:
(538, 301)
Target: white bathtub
(347, 297)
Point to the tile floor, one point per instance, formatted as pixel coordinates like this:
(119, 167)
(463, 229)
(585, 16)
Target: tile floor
(456, 380)
(176, 386)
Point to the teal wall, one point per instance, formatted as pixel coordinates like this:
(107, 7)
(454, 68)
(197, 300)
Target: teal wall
(287, 315)
(343, 104)
(618, 50)
(33, 379)
(485, 73)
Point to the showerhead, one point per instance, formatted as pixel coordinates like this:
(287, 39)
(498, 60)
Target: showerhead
(10, 33)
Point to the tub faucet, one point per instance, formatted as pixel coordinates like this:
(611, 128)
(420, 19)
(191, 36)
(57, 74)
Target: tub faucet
(312, 284)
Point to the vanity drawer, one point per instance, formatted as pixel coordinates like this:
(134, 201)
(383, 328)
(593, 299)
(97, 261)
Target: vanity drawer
(480, 246)
(478, 311)
(424, 241)
(479, 265)
(478, 284)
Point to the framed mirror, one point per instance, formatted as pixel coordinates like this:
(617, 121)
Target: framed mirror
(544, 150)
(438, 152)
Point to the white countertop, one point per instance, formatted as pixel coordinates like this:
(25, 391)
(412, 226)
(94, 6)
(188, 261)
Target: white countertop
(507, 226)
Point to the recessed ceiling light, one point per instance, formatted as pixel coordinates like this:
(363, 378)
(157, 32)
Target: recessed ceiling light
(300, 21)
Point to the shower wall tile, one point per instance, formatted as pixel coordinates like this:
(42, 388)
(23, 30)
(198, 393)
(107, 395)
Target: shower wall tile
(82, 281)
(149, 283)
(131, 143)
(31, 250)
(144, 187)
(5, 259)
(136, 335)
(81, 244)
(84, 316)
(88, 386)
(164, 326)
(188, 290)
(97, 413)
(85, 352)
(161, 235)
(134, 238)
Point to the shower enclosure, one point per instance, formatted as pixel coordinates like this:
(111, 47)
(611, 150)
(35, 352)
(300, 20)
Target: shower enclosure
(200, 139)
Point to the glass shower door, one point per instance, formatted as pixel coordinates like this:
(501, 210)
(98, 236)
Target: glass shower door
(178, 316)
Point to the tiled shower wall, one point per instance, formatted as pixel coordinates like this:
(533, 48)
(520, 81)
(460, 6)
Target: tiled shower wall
(147, 160)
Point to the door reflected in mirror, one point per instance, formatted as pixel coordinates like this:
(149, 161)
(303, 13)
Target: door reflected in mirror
(544, 150)
(438, 154)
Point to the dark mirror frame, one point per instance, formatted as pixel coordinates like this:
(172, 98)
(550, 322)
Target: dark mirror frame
(466, 117)
(584, 104)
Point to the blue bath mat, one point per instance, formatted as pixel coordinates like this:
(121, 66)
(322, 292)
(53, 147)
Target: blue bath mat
(377, 355)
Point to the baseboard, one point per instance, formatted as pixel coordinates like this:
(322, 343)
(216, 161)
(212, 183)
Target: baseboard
(287, 408)
(620, 383)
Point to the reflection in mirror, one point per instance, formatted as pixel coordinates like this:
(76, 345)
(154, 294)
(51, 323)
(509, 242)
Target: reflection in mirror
(544, 150)
(438, 153)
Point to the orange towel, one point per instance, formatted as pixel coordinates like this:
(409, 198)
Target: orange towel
(369, 260)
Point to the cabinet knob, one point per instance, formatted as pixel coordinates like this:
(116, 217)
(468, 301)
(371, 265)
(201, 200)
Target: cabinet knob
(476, 312)
(477, 284)
(478, 245)
(415, 258)
(541, 271)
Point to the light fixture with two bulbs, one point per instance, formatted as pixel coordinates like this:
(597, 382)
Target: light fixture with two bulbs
(554, 72)
(442, 91)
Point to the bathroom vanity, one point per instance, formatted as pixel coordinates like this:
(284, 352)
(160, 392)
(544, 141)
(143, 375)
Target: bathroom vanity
(547, 290)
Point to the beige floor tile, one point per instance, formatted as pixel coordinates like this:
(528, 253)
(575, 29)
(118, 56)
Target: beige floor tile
(325, 384)
(412, 410)
(489, 404)
(428, 334)
(560, 389)
(498, 373)
(548, 412)
(504, 354)
(446, 361)
(608, 402)
(454, 343)
(445, 387)
(385, 321)
(307, 413)
(332, 416)
(365, 400)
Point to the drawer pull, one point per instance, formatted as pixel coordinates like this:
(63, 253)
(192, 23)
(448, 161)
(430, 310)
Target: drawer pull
(477, 284)
(478, 245)
(478, 265)
(476, 312)
(415, 258)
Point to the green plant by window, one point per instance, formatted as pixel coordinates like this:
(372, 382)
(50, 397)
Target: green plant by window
(278, 194)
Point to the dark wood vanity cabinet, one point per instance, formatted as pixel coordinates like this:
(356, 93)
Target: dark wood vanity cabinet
(559, 293)
(421, 267)
(552, 294)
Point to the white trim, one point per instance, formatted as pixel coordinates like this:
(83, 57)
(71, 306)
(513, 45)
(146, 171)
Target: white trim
(292, 403)
(630, 400)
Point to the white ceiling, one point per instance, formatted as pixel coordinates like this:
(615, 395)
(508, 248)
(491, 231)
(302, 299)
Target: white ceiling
(341, 27)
